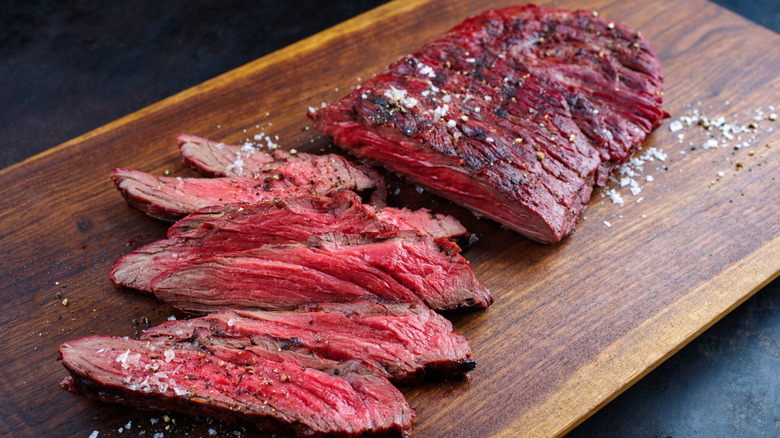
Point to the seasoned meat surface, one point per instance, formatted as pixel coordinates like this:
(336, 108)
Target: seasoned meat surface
(515, 114)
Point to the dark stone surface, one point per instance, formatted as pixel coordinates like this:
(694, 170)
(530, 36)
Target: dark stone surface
(70, 67)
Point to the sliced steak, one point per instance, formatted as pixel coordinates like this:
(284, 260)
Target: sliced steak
(515, 114)
(219, 159)
(296, 219)
(278, 397)
(393, 266)
(170, 198)
(212, 158)
(403, 342)
(422, 220)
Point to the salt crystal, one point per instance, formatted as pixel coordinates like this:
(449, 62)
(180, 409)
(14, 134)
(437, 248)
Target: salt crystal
(709, 144)
(94, 434)
(675, 126)
(649, 178)
(607, 224)
(615, 197)
(721, 174)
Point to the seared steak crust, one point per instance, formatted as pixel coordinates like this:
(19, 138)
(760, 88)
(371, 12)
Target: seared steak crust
(516, 114)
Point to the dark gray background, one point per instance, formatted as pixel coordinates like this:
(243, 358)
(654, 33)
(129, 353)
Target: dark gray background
(69, 67)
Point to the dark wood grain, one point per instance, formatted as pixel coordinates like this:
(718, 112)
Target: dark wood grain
(573, 324)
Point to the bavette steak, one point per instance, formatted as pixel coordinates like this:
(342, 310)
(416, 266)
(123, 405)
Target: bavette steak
(219, 159)
(515, 114)
(270, 393)
(391, 266)
(290, 219)
(171, 198)
(422, 220)
(403, 342)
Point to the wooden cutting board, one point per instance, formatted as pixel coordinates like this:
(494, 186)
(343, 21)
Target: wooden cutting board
(573, 324)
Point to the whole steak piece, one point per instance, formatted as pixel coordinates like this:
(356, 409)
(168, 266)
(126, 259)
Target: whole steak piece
(275, 394)
(515, 114)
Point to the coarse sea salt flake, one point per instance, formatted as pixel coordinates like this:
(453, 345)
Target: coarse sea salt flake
(710, 144)
(169, 355)
(615, 197)
(607, 224)
(94, 434)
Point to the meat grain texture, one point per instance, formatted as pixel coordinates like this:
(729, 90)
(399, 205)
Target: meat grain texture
(280, 174)
(238, 227)
(392, 266)
(515, 114)
(277, 396)
(404, 343)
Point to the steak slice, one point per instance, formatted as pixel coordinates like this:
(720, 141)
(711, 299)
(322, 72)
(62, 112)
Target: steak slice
(515, 114)
(393, 266)
(171, 198)
(422, 220)
(278, 397)
(246, 227)
(405, 343)
(219, 159)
